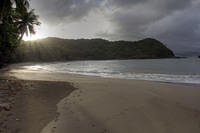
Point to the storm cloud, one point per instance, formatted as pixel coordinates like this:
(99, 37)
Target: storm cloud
(176, 23)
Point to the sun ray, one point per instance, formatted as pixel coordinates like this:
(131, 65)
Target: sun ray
(33, 37)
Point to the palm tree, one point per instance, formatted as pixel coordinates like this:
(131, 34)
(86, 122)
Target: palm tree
(23, 19)
(5, 7)
(22, 4)
(15, 20)
(27, 23)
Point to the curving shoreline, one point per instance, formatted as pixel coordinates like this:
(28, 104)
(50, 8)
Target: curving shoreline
(104, 105)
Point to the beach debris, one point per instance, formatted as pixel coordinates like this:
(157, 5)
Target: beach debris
(17, 119)
(93, 125)
(5, 106)
(105, 131)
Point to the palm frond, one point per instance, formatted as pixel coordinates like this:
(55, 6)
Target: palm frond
(27, 21)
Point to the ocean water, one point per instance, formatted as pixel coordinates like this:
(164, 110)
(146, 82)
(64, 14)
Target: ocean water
(166, 70)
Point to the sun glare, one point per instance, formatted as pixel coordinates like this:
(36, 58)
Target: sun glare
(32, 37)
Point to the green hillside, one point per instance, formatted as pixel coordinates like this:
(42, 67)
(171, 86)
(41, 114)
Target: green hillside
(55, 49)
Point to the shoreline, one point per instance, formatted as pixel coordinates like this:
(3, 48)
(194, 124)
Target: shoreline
(102, 105)
(16, 70)
(99, 105)
(153, 77)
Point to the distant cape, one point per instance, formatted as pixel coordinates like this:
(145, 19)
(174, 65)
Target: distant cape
(56, 49)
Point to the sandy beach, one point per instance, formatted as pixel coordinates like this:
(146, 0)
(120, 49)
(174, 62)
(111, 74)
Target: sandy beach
(26, 106)
(102, 105)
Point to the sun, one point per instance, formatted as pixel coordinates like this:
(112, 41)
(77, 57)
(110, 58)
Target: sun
(32, 37)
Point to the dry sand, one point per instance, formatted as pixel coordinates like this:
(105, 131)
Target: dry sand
(102, 105)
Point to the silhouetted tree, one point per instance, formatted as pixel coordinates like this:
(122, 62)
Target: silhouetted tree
(15, 20)
(28, 20)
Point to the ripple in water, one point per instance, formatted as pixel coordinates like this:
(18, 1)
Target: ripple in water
(166, 70)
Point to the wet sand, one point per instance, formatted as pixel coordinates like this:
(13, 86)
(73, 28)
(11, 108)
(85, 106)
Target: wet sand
(32, 106)
(103, 105)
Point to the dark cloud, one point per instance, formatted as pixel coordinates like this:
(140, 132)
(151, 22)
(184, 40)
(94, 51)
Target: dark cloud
(180, 30)
(176, 23)
(139, 17)
(127, 3)
(56, 11)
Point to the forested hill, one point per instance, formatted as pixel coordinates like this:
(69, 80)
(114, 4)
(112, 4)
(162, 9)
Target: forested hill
(55, 49)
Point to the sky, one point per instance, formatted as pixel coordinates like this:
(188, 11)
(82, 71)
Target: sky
(176, 23)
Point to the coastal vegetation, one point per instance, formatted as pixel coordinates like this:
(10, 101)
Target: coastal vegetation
(16, 19)
(56, 49)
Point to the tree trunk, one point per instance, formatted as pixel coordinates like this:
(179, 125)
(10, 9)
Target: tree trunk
(21, 36)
